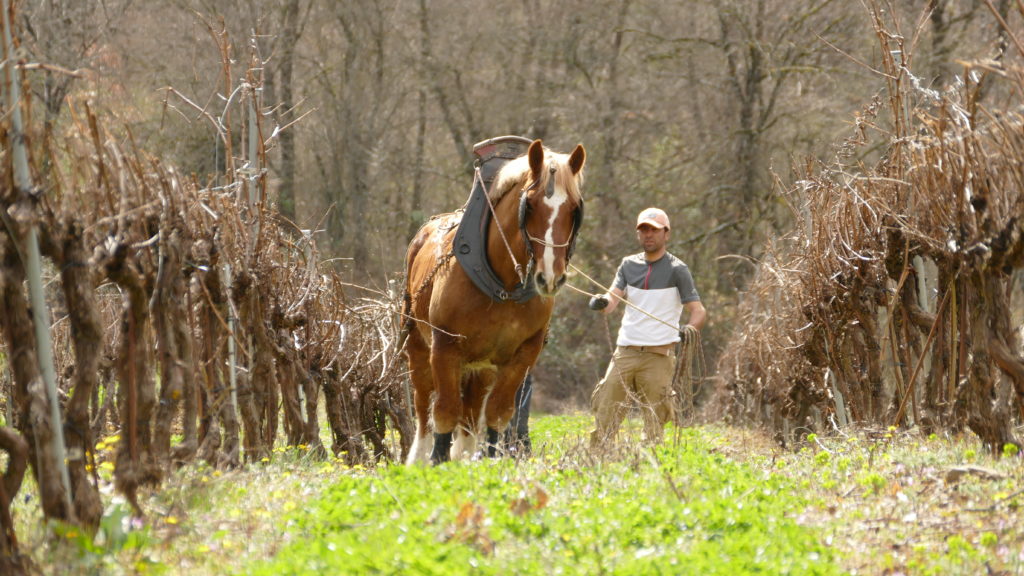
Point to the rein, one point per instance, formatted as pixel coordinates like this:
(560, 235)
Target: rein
(623, 300)
(547, 244)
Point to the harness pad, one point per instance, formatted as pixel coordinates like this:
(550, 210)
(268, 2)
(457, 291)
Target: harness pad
(471, 237)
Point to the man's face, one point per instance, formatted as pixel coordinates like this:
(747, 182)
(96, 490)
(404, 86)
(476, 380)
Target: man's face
(652, 239)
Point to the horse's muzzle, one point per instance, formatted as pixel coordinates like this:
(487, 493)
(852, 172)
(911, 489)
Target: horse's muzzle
(546, 286)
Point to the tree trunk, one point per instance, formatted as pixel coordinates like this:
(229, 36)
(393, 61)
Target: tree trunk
(64, 245)
(33, 420)
(170, 317)
(11, 561)
(987, 415)
(254, 398)
(211, 330)
(285, 59)
(183, 333)
(288, 376)
(134, 463)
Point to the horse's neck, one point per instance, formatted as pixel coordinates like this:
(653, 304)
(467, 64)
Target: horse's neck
(504, 257)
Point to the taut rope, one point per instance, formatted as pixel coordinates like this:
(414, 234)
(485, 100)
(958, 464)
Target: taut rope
(626, 302)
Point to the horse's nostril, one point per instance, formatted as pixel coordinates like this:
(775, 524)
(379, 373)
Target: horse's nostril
(541, 281)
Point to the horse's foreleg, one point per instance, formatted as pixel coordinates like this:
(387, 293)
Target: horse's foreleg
(500, 406)
(493, 439)
(442, 450)
(501, 402)
(446, 370)
(475, 388)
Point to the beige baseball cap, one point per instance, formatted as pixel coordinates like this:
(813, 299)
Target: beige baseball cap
(653, 216)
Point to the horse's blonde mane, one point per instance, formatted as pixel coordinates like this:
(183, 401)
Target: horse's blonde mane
(517, 174)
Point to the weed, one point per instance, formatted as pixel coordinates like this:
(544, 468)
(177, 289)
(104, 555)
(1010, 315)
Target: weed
(617, 515)
(709, 500)
(872, 482)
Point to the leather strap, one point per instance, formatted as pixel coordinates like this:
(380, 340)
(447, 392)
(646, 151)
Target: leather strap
(471, 252)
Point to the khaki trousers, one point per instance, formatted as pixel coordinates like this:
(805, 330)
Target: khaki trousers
(636, 374)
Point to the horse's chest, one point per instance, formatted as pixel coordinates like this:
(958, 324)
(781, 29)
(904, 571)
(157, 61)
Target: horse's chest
(491, 338)
(507, 336)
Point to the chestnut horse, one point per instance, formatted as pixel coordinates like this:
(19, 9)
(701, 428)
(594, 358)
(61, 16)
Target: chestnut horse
(469, 351)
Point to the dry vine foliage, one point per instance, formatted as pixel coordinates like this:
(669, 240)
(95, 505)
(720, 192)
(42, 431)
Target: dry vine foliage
(891, 304)
(181, 310)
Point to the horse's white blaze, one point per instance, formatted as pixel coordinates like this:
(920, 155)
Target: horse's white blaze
(547, 262)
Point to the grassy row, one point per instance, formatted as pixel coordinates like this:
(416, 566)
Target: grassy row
(679, 508)
(710, 500)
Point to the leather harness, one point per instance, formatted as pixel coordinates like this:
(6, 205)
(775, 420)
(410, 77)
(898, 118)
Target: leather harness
(471, 237)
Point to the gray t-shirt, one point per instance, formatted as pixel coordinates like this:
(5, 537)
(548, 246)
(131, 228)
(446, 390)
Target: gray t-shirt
(659, 288)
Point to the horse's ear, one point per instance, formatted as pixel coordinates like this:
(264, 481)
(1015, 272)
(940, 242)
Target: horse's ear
(577, 159)
(536, 154)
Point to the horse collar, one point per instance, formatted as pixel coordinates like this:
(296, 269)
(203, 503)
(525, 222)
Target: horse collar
(471, 250)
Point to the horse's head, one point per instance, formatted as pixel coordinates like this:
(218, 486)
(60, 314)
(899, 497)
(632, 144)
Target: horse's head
(550, 214)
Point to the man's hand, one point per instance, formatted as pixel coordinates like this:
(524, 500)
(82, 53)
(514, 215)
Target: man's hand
(598, 302)
(689, 335)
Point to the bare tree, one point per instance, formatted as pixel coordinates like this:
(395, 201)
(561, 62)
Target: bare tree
(68, 36)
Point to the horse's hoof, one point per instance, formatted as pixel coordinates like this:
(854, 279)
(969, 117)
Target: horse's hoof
(492, 443)
(442, 451)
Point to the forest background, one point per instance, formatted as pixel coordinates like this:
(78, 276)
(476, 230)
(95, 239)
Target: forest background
(705, 108)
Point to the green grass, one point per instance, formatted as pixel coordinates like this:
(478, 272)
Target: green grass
(676, 509)
(711, 499)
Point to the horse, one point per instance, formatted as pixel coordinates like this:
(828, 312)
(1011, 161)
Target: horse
(469, 351)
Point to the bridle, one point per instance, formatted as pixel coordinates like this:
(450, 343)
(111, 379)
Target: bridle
(524, 212)
(528, 239)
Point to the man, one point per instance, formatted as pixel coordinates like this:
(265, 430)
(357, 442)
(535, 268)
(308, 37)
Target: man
(657, 288)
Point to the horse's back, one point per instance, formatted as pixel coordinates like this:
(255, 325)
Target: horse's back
(431, 243)
(429, 250)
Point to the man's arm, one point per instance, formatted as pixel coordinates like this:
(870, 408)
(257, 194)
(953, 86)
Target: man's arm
(696, 315)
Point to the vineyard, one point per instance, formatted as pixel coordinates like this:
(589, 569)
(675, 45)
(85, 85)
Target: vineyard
(181, 310)
(155, 320)
(896, 300)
